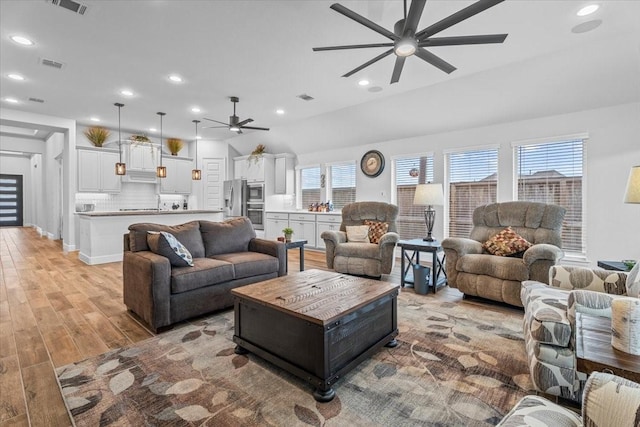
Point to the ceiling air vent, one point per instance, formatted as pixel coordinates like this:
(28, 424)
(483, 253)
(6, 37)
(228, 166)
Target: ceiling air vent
(41, 101)
(306, 97)
(71, 5)
(52, 63)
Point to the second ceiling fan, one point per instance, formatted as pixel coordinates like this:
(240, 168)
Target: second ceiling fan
(406, 40)
(234, 125)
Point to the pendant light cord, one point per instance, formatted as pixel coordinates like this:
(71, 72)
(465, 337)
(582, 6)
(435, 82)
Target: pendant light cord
(196, 122)
(119, 105)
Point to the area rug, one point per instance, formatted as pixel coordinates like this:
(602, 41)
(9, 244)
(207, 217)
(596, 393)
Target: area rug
(457, 364)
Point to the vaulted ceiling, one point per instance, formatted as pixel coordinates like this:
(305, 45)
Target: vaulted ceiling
(261, 51)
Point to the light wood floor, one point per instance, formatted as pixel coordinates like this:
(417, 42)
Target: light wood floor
(54, 310)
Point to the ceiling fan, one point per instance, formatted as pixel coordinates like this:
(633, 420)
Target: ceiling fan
(407, 40)
(234, 125)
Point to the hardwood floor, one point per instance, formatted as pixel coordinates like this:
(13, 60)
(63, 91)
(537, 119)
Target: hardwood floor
(54, 310)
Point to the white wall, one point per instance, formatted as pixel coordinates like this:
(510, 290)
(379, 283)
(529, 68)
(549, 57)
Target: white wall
(613, 228)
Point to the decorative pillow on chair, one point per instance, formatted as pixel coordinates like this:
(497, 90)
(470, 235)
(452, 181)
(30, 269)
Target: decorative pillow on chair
(358, 233)
(165, 244)
(505, 243)
(376, 230)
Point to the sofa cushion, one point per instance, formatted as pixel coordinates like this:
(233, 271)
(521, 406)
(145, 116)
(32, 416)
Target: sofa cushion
(232, 235)
(205, 272)
(546, 314)
(165, 244)
(247, 264)
(504, 268)
(358, 233)
(506, 242)
(538, 411)
(358, 250)
(377, 229)
(188, 234)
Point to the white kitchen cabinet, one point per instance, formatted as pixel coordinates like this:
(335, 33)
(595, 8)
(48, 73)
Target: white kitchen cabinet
(284, 174)
(304, 227)
(96, 171)
(240, 168)
(274, 223)
(326, 222)
(142, 157)
(260, 170)
(178, 180)
(255, 170)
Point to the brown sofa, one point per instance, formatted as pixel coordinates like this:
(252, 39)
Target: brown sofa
(226, 255)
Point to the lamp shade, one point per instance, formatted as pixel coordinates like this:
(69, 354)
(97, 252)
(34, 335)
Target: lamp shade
(632, 195)
(428, 194)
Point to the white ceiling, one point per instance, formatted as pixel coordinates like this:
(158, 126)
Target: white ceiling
(261, 52)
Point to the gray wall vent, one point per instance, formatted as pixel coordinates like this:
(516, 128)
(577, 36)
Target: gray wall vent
(306, 97)
(52, 63)
(41, 101)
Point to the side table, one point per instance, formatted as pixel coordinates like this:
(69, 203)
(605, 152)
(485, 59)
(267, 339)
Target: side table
(415, 246)
(613, 265)
(296, 244)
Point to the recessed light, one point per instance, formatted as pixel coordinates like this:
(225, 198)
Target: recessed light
(126, 92)
(364, 82)
(22, 40)
(11, 100)
(94, 119)
(198, 137)
(195, 110)
(175, 78)
(588, 10)
(152, 129)
(280, 111)
(14, 76)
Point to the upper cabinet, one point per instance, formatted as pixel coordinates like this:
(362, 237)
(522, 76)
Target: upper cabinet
(253, 170)
(96, 170)
(178, 180)
(142, 157)
(284, 174)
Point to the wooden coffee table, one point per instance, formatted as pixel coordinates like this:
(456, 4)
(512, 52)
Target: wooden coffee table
(594, 351)
(315, 324)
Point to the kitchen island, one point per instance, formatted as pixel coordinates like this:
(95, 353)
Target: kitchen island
(101, 233)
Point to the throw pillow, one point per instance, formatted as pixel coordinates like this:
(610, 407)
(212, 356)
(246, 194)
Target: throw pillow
(358, 233)
(505, 243)
(633, 281)
(377, 229)
(165, 244)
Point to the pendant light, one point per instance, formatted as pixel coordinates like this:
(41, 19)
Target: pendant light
(196, 174)
(161, 171)
(121, 168)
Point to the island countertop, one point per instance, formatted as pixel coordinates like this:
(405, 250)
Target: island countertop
(148, 212)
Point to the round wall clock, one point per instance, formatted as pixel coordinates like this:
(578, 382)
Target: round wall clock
(372, 163)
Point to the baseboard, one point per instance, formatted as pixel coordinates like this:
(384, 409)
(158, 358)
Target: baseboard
(67, 247)
(99, 259)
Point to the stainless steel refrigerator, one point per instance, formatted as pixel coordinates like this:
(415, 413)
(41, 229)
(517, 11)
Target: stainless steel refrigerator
(235, 197)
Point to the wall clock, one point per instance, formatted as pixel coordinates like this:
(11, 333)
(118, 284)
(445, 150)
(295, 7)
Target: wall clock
(372, 163)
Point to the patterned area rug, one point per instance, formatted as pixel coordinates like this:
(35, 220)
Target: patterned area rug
(457, 364)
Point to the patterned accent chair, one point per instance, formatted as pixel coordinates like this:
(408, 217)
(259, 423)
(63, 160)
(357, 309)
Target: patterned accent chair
(363, 259)
(549, 322)
(476, 272)
(608, 401)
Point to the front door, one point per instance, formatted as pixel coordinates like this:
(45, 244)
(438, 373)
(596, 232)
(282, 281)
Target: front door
(214, 176)
(10, 200)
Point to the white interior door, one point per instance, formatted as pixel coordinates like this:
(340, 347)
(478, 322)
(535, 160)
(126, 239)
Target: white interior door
(214, 175)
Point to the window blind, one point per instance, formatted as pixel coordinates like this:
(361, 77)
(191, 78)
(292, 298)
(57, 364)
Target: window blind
(473, 182)
(310, 186)
(552, 172)
(343, 184)
(410, 171)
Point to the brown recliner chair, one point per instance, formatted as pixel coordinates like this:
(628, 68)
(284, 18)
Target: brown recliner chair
(363, 259)
(476, 272)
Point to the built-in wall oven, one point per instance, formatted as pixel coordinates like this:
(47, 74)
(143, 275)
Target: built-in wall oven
(255, 192)
(255, 212)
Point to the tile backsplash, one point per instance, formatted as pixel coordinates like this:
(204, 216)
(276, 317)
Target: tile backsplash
(132, 196)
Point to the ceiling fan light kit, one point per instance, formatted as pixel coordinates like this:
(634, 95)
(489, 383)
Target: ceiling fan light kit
(406, 40)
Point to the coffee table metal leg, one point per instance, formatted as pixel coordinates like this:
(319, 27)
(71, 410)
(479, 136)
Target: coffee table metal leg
(391, 344)
(302, 258)
(324, 395)
(240, 350)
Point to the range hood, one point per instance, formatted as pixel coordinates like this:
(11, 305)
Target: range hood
(142, 176)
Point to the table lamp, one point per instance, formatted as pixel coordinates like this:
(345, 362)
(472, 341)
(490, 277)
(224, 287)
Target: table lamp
(429, 195)
(632, 195)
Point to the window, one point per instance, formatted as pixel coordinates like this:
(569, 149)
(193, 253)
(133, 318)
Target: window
(408, 172)
(473, 182)
(343, 184)
(310, 188)
(551, 172)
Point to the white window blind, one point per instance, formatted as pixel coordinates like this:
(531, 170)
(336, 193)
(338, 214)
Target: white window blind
(310, 186)
(552, 172)
(343, 184)
(473, 182)
(410, 171)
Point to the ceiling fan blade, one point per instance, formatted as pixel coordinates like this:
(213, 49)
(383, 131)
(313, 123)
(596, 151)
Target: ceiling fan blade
(254, 128)
(415, 12)
(244, 122)
(462, 40)
(363, 21)
(366, 64)
(397, 69)
(434, 60)
(352, 46)
(459, 16)
(215, 121)
(215, 127)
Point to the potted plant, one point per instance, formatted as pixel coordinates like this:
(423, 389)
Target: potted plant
(174, 145)
(257, 153)
(97, 135)
(288, 231)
